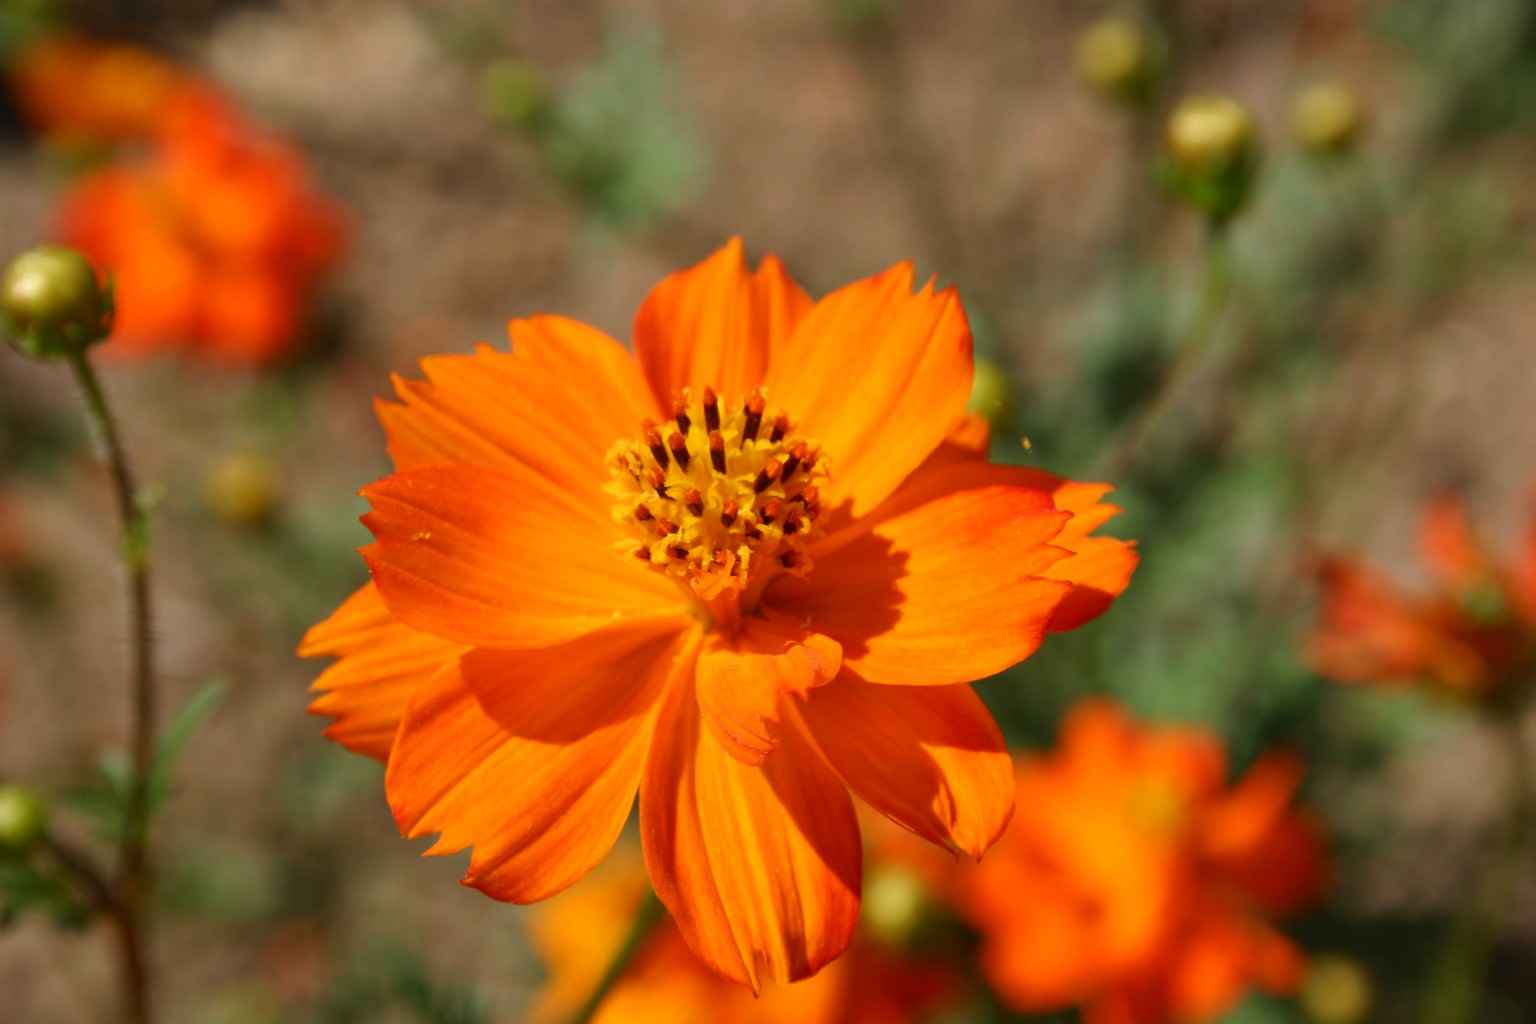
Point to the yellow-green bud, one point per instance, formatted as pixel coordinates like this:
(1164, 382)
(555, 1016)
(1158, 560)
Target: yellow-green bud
(23, 818)
(242, 488)
(1118, 57)
(52, 305)
(1211, 147)
(1326, 118)
(896, 906)
(1336, 990)
(992, 395)
(514, 91)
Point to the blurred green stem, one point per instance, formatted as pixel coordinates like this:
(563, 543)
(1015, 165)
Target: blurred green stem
(1216, 286)
(127, 907)
(647, 917)
(1456, 984)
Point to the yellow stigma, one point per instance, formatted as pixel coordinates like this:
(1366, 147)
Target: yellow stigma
(726, 493)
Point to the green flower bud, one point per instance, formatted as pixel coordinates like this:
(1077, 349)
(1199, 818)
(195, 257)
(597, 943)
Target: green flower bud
(23, 818)
(1326, 119)
(515, 92)
(896, 907)
(1211, 155)
(1118, 57)
(52, 305)
(1336, 990)
(992, 395)
(242, 488)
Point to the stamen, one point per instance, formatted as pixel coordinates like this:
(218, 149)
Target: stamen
(767, 475)
(680, 414)
(711, 411)
(770, 511)
(653, 442)
(792, 521)
(679, 445)
(780, 428)
(642, 513)
(753, 407)
(665, 527)
(729, 512)
(677, 551)
(643, 553)
(693, 501)
(796, 456)
(658, 481)
(717, 450)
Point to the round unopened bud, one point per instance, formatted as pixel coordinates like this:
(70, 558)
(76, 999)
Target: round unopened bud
(514, 91)
(242, 488)
(896, 905)
(23, 818)
(1118, 57)
(1336, 990)
(992, 394)
(1326, 118)
(1212, 154)
(52, 305)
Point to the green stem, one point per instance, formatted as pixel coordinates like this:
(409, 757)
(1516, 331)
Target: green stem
(132, 875)
(1215, 289)
(649, 915)
(1456, 984)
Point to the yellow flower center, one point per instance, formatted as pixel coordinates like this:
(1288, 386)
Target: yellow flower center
(719, 496)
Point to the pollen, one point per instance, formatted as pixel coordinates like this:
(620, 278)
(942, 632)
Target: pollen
(725, 489)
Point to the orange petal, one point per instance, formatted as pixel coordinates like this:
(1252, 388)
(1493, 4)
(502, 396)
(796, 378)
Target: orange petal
(383, 662)
(930, 758)
(489, 559)
(552, 409)
(942, 586)
(1100, 567)
(1448, 546)
(760, 866)
(717, 324)
(532, 757)
(742, 678)
(877, 375)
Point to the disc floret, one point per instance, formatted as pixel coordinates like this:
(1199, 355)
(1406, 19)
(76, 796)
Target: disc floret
(720, 494)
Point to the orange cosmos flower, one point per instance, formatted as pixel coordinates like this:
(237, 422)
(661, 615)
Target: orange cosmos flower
(1474, 636)
(579, 933)
(742, 572)
(214, 240)
(1138, 885)
(80, 92)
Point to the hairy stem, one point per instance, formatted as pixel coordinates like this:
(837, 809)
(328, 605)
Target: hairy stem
(133, 868)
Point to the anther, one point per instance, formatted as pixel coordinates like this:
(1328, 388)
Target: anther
(717, 449)
(792, 521)
(665, 527)
(753, 407)
(658, 481)
(643, 553)
(770, 510)
(789, 559)
(693, 501)
(780, 428)
(642, 513)
(721, 556)
(729, 512)
(680, 414)
(711, 410)
(750, 529)
(679, 445)
(677, 551)
(653, 442)
(767, 475)
(796, 457)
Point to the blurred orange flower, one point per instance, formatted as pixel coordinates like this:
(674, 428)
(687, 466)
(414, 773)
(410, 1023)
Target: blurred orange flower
(579, 934)
(1473, 636)
(91, 94)
(1136, 884)
(214, 239)
(743, 572)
